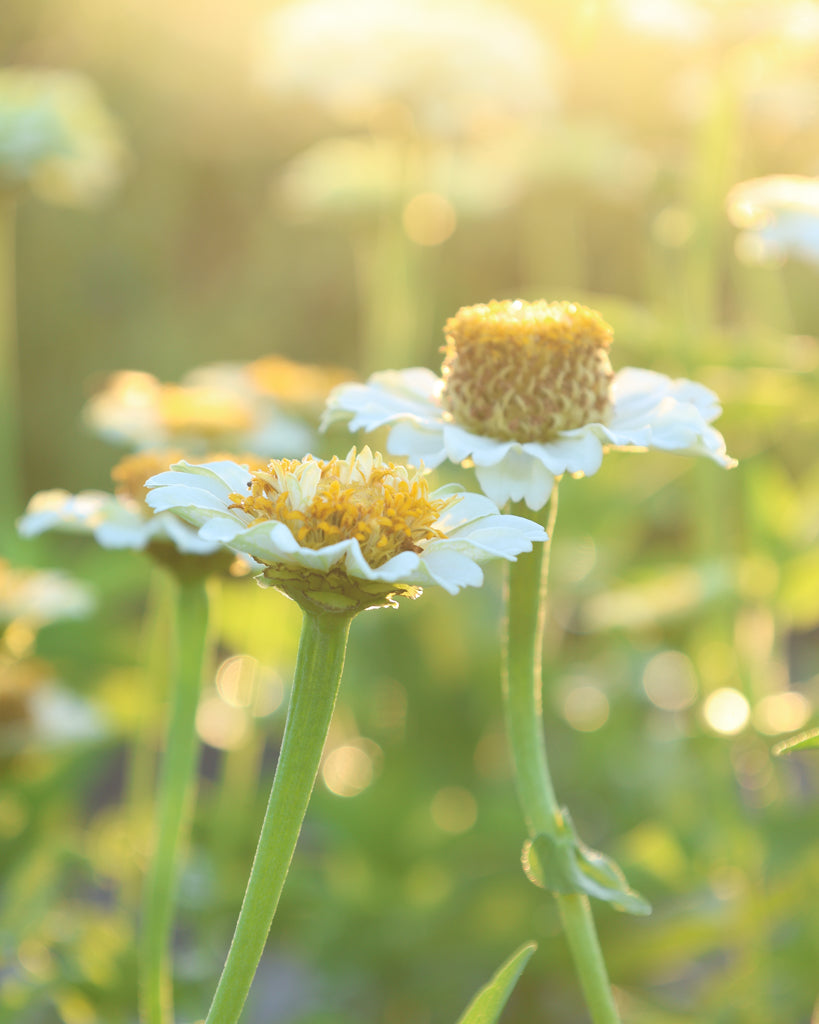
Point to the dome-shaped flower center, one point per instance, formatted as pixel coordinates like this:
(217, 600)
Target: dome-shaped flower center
(525, 371)
(386, 508)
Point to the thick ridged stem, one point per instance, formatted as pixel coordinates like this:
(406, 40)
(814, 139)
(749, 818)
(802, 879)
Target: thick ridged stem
(315, 685)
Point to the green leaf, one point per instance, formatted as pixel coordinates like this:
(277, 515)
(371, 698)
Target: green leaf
(802, 741)
(562, 863)
(488, 1004)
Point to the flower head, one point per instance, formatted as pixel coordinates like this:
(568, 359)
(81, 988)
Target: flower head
(137, 410)
(528, 394)
(118, 520)
(286, 387)
(344, 534)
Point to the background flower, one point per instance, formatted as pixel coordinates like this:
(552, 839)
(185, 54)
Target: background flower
(779, 215)
(119, 520)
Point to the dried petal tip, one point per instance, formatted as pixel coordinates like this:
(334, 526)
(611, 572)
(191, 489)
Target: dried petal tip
(524, 371)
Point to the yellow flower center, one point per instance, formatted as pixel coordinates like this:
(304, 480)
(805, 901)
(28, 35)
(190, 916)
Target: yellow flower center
(525, 371)
(202, 411)
(386, 508)
(296, 384)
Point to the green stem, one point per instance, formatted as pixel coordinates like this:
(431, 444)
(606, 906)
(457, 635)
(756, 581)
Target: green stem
(522, 688)
(10, 486)
(176, 785)
(315, 686)
(140, 779)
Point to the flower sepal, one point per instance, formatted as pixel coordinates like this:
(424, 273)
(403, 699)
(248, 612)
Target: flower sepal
(334, 592)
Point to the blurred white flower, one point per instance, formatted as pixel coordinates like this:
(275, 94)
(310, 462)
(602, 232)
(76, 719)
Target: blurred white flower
(344, 534)
(119, 520)
(287, 388)
(780, 216)
(40, 596)
(455, 65)
(137, 410)
(528, 394)
(56, 136)
(36, 709)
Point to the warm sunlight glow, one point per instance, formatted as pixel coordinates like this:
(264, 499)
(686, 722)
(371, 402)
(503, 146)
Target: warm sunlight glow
(670, 681)
(349, 769)
(586, 708)
(782, 712)
(726, 711)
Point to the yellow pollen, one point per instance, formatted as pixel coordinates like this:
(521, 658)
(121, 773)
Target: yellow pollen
(385, 507)
(525, 371)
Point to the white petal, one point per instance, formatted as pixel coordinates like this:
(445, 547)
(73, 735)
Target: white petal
(418, 441)
(501, 536)
(654, 411)
(220, 478)
(187, 540)
(128, 534)
(572, 451)
(469, 507)
(519, 477)
(386, 397)
(484, 451)
(450, 569)
(182, 498)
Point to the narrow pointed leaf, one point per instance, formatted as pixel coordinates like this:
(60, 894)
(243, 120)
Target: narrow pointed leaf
(488, 1004)
(802, 741)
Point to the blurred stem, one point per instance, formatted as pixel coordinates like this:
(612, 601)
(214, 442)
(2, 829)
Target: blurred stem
(395, 288)
(177, 781)
(10, 486)
(320, 661)
(155, 640)
(522, 689)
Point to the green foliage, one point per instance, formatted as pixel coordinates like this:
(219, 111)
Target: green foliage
(488, 1004)
(400, 892)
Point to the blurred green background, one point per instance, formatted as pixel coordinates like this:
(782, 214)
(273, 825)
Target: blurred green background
(255, 218)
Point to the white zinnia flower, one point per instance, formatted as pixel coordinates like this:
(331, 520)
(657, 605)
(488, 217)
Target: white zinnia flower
(119, 520)
(344, 534)
(780, 215)
(41, 596)
(200, 415)
(527, 394)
